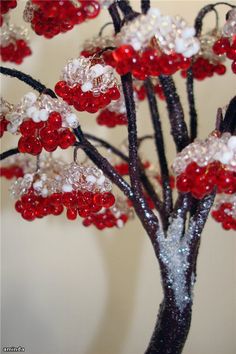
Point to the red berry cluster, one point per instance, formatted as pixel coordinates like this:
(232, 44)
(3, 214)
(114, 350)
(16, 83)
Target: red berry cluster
(111, 119)
(5, 6)
(85, 101)
(84, 204)
(15, 51)
(150, 62)
(58, 16)
(105, 219)
(107, 55)
(141, 92)
(3, 125)
(200, 181)
(48, 135)
(11, 172)
(228, 221)
(203, 68)
(223, 46)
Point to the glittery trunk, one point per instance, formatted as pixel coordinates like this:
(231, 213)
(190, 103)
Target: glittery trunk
(171, 329)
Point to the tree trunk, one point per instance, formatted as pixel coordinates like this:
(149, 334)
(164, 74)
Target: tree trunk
(171, 329)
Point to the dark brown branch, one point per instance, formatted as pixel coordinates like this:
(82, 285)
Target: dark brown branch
(229, 122)
(176, 114)
(145, 6)
(115, 17)
(127, 10)
(191, 102)
(8, 153)
(160, 147)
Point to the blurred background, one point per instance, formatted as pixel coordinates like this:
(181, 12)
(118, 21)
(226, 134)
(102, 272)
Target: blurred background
(67, 289)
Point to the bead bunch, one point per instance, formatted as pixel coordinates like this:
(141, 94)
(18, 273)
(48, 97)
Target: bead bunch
(207, 63)
(204, 165)
(43, 122)
(5, 7)
(115, 113)
(154, 44)
(5, 107)
(96, 45)
(224, 211)
(49, 18)
(115, 216)
(14, 43)
(88, 84)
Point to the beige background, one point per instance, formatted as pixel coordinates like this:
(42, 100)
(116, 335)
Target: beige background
(71, 290)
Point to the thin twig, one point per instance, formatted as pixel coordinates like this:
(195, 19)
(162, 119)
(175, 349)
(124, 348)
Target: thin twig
(191, 102)
(8, 153)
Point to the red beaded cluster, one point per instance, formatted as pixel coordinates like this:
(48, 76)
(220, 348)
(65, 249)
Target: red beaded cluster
(84, 204)
(111, 119)
(202, 68)
(150, 62)
(85, 101)
(200, 181)
(6, 6)
(3, 125)
(105, 219)
(223, 46)
(107, 55)
(11, 172)
(220, 215)
(15, 51)
(59, 16)
(48, 135)
(142, 93)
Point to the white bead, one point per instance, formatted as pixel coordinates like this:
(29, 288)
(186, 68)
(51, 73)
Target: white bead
(154, 12)
(97, 70)
(44, 177)
(226, 157)
(136, 44)
(91, 179)
(87, 86)
(38, 184)
(188, 32)
(180, 45)
(43, 115)
(30, 111)
(101, 180)
(11, 128)
(67, 188)
(188, 53)
(196, 46)
(232, 143)
(30, 97)
(35, 117)
(29, 176)
(72, 120)
(119, 223)
(44, 192)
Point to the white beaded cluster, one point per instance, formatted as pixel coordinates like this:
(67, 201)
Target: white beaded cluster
(39, 108)
(226, 198)
(203, 152)
(84, 178)
(11, 33)
(97, 78)
(229, 29)
(98, 42)
(171, 33)
(206, 43)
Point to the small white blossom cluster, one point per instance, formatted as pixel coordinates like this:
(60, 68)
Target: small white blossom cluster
(171, 33)
(229, 29)
(38, 109)
(203, 152)
(84, 178)
(11, 33)
(97, 78)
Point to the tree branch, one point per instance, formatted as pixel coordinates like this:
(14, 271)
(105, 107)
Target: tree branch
(191, 102)
(115, 17)
(160, 147)
(8, 153)
(145, 6)
(176, 114)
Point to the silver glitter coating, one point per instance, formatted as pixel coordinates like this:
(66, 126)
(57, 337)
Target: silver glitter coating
(174, 253)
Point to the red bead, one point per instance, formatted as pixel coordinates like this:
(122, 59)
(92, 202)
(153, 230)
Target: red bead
(28, 215)
(108, 200)
(221, 46)
(54, 120)
(124, 52)
(27, 127)
(233, 66)
(71, 214)
(66, 139)
(183, 183)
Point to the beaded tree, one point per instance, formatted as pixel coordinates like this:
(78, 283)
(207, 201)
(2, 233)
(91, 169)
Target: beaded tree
(145, 51)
